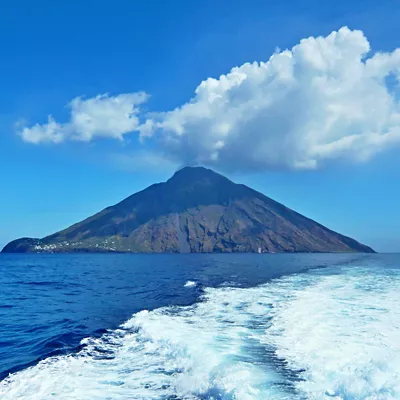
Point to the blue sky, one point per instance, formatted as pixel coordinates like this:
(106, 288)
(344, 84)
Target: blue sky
(53, 52)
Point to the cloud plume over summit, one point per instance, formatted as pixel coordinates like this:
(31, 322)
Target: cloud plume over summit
(325, 100)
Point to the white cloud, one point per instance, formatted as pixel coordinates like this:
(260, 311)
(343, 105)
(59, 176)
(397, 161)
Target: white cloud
(50, 132)
(321, 101)
(327, 99)
(100, 116)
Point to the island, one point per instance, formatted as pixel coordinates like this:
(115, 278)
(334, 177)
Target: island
(196, 211)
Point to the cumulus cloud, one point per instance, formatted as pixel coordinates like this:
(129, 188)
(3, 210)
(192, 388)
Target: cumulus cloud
(326, 99)
(323, 100)
(50, 132)
(100, 116)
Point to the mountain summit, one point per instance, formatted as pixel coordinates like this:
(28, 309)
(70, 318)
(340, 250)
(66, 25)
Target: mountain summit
(197, 210)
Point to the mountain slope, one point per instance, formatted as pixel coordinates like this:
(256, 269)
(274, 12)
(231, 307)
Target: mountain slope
(197, 210)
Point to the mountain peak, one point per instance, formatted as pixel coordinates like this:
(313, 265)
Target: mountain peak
(197, 210)
(190, 174)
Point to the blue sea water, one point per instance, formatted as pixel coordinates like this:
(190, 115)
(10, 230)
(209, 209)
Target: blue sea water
(238, 326)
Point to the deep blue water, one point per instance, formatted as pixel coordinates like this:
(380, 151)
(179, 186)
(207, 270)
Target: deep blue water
(243, 326)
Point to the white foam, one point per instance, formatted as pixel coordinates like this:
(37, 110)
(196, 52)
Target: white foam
(189, 284)
(191, 353)
(342, 330)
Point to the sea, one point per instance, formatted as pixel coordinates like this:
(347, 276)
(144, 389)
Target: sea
(204, 326)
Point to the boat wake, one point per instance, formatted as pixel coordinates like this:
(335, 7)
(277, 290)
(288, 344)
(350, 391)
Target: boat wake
(314, 335)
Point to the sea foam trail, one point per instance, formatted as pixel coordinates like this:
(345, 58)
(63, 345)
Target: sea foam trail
(306, 336)
(344, 331)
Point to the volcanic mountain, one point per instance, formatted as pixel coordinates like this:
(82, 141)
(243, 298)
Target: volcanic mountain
(197, 210)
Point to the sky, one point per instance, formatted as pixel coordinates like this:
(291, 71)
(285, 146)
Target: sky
(297, 99)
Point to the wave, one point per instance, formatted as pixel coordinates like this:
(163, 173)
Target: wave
(313, 335)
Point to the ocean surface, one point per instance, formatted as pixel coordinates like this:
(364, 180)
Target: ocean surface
(246, 326)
